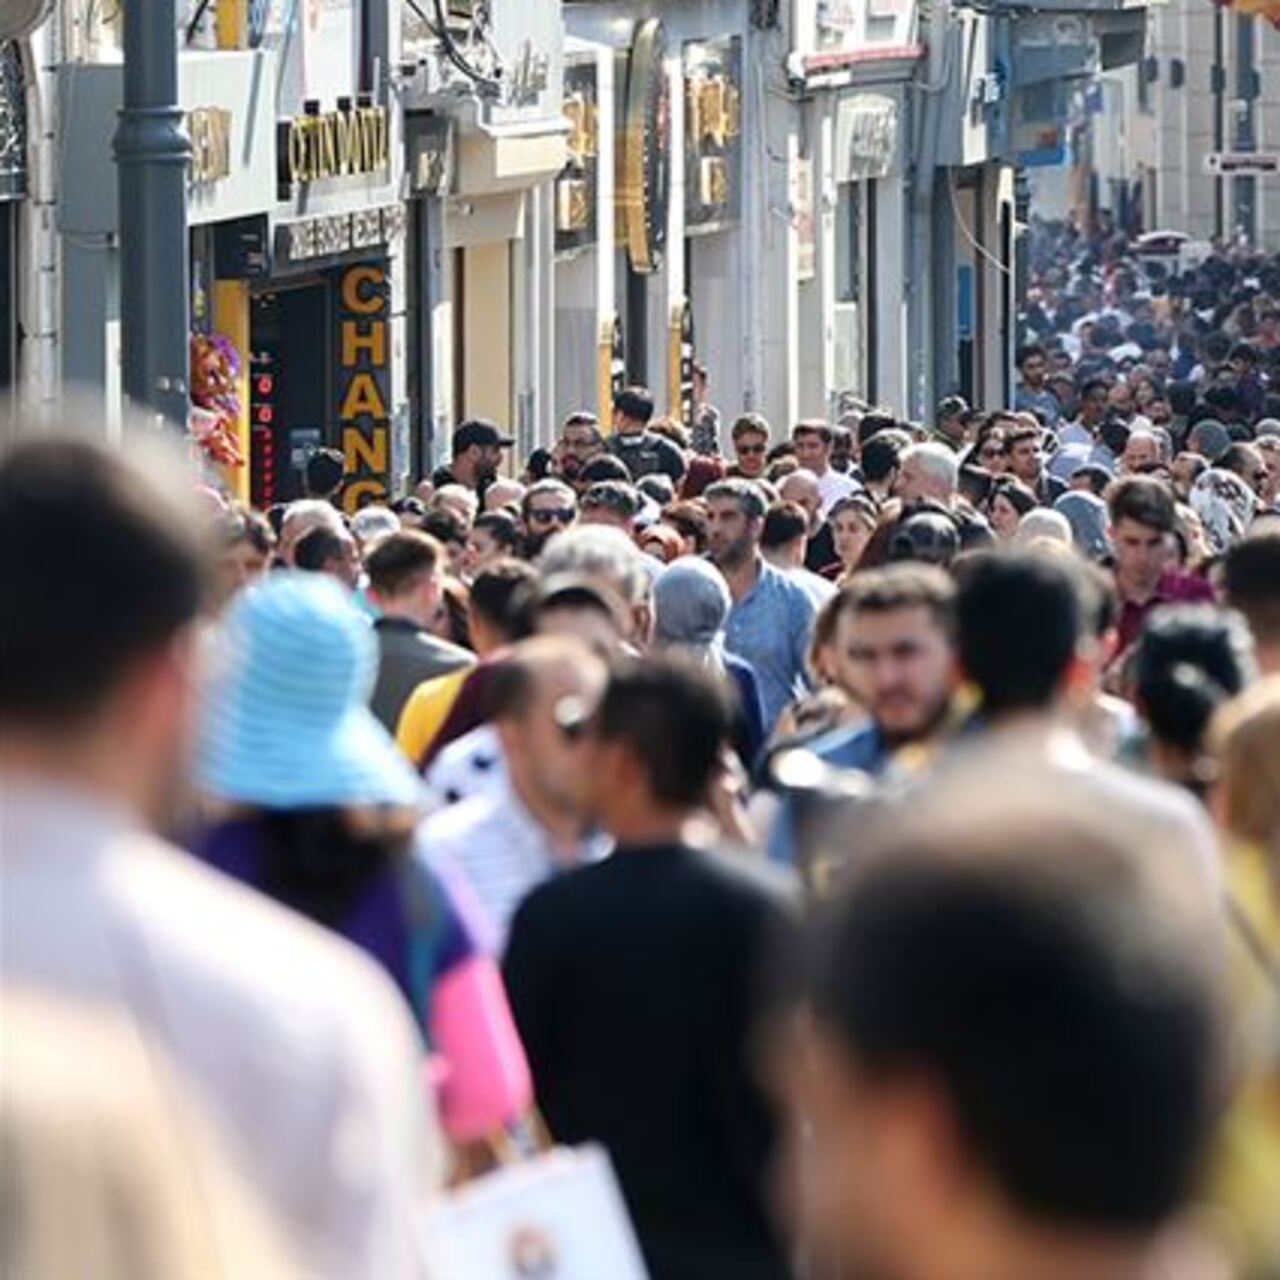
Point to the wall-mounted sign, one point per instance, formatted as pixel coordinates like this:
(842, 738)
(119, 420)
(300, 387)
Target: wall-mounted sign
(644, 177)
(210, 130)
(331, 235)
(13, 125)
(318, 145)
(712, 133)
(576, 187)
(363, 386)
(866, 137)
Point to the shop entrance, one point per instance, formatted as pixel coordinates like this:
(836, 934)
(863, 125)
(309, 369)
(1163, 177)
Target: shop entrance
(289, 386)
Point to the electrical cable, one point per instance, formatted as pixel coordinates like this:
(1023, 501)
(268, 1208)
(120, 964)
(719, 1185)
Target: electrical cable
(440, 29)
(194, 25)
(981, 249)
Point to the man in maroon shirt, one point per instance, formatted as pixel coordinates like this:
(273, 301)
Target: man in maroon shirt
(1142, 520)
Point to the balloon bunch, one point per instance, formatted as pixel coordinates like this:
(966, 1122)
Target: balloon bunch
(215, 398)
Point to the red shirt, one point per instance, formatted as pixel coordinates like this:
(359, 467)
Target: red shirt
(1173, 588)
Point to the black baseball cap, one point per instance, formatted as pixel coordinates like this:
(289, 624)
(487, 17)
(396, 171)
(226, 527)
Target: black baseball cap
(479, 431)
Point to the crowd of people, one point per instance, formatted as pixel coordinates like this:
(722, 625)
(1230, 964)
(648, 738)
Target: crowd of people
(868, 833)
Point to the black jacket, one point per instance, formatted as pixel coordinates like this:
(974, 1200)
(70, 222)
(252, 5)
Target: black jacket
(637, 985)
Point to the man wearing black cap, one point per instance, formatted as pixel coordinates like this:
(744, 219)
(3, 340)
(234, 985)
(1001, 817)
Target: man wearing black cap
(477, 454)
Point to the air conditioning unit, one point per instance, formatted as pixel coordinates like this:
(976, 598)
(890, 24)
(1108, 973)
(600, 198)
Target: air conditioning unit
(21, 17)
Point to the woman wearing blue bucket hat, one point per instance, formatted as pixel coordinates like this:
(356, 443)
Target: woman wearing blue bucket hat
(308, 799)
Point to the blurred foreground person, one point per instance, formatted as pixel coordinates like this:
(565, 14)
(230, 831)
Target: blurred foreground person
(292, 1043)
(635, 984)
(99, 1179)
(1007, 1071)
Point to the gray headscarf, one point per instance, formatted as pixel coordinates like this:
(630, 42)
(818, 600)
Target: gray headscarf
(691, 602)
(1086, 513)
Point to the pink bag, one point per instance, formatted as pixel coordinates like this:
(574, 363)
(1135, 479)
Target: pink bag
(486, 1084)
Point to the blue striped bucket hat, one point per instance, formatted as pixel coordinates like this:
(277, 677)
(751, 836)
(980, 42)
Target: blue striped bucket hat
(284, 715)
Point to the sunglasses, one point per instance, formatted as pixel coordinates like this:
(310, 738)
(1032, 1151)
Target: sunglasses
(991, 451)
(750, 448)
(556, 515)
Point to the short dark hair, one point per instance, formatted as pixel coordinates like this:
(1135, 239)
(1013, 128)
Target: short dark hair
(635, 402)
(905, 585)
(1251, 576)
(748, 496)
(1094, 384)
(400, 559)
(605, 467)
(813, 427)
(100, 567)
(1190, 660)
(1143, 500)
(316, 548)
(784, 523)
(1020, 619)
(1019, 433)
(880, 456)
(673, 715)
(323, 472)
(1063, 1004)
(1095, 475)
(445, 526)
(874, 423)
(501, 526)
(749, 424)
(1025, 353)
(613, 495)
(1237, 458)
(502, 595)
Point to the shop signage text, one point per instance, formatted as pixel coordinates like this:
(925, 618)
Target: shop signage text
(210, 130)
(363, 385)
(866, 137)
(344, 143)
(330, 235)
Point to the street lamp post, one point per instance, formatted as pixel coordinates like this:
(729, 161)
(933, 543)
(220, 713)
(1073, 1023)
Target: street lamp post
(152, 150)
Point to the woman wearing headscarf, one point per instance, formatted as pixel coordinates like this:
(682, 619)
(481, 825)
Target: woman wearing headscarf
(691, 606)
(1225, 505)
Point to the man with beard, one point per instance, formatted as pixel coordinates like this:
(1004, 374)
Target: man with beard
(580, 442)
(772, 616)
(477, 454)
(894, 654)
(549, 507)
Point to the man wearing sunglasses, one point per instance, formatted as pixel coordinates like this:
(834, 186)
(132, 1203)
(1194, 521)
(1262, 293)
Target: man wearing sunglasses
(750, 437)
(549, 506)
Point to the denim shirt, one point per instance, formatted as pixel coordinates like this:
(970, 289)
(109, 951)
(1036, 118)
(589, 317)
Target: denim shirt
(770, 627)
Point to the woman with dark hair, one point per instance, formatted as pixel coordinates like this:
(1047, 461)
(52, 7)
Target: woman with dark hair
(1010, 501)
(1189, 661)
(853, 520)
(307, 799)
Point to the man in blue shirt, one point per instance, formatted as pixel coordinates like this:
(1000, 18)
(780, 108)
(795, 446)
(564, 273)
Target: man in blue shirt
(894, 653)
(771, 621)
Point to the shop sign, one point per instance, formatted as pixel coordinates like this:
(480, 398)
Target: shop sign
(802, 217)
(320, 145)
(643, 189)
(363, 382)
(13, 125)
(713, 133)
(210, 130)
(330, 235)
(576, 186)
(866, 137)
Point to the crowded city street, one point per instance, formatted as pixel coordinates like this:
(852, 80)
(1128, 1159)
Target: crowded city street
(639, 639)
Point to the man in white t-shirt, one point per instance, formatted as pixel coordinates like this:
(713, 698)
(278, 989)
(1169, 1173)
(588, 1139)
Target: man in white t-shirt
(813, 439)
